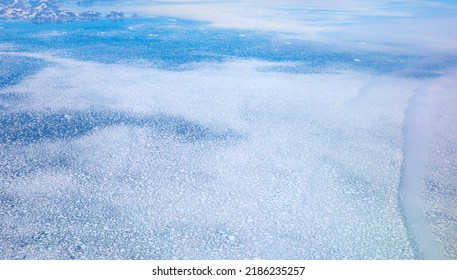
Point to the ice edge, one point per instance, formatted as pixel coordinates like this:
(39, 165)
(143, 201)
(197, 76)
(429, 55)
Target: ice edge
(415, 150)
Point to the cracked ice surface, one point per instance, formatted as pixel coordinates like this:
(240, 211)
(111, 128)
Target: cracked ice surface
(296, 182)
(221, 151)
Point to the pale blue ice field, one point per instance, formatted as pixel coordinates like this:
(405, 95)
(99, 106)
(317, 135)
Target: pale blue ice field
(231, 130)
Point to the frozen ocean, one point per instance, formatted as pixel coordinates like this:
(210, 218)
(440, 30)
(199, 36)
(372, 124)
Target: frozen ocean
(229, 130)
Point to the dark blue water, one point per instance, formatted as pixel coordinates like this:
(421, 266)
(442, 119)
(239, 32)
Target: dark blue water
(172, 44)
(30, 127)
(13, 68)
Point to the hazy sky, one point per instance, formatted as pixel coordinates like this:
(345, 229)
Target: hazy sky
(388, 25)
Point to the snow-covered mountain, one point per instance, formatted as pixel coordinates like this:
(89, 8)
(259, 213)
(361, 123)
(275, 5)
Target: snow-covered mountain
(13, 9)
(43, 11)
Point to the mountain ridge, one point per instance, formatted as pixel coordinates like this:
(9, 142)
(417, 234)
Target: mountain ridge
(47, 11)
